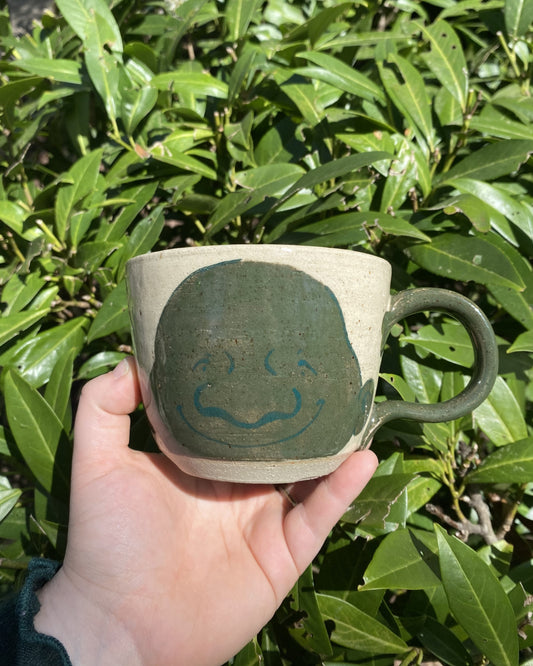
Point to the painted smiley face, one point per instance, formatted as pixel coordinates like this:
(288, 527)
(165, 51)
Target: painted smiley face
(252, 361)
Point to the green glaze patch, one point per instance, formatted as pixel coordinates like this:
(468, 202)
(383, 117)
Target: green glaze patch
(252, 361)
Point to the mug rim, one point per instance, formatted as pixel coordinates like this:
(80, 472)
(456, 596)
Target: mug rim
(253, 248)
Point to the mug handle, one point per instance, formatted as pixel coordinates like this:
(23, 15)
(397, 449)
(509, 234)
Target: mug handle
(485, 367)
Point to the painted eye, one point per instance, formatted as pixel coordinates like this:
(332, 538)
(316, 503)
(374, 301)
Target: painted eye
(302, 363)
(202, 363)
(268, 366)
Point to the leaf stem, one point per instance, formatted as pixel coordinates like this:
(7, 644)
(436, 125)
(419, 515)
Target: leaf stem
(510, 55)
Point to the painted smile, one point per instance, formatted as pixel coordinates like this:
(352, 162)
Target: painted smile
(266, 419)
(220, 413)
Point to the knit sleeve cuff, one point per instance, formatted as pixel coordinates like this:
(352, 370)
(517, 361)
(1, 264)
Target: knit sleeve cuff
(33, 647)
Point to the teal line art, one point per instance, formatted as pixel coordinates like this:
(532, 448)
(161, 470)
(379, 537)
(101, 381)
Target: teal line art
(320, 404)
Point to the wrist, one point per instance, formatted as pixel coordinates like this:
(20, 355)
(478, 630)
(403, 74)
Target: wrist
(86, 629)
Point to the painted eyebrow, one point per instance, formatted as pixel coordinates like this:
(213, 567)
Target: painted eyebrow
(268, 367)
(203, 361)
(231, 362)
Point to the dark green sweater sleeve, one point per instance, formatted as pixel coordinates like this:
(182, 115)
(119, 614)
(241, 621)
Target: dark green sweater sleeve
(20, 644)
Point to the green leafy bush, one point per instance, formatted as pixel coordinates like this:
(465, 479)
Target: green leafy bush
(401, 129)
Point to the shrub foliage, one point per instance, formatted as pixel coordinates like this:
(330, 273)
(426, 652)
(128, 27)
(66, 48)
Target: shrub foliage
(401, 129)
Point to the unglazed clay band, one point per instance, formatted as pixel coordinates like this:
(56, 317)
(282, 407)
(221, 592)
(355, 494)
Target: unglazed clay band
(485, 367)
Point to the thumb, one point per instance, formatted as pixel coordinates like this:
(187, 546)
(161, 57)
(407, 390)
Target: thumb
(102, 426)
(308, 524)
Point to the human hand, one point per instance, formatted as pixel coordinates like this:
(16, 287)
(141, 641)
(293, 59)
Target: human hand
(164, 568)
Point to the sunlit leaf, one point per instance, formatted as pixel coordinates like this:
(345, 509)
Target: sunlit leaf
(478, 601)
(500, 415)
(523, 343)
(36, 357)
(333, 71)
(518, 15)
(403, 560)
(79, 181)
(355, 629)
(239, 14)
(112, 317)
(492, 161)
(509, 464)
(467, 258)
(446, 59)
(37, 431)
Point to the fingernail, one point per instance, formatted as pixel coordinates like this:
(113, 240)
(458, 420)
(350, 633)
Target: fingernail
(122, 368)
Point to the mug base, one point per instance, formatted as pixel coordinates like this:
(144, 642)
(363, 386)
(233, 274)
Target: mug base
(253, 471)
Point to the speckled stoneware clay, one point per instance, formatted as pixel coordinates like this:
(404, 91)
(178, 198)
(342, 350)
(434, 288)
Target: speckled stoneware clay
(258, 364)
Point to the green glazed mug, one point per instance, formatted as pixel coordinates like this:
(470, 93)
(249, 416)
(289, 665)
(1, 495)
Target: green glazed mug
(259, 363)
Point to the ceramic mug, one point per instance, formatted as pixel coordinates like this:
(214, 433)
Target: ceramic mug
(259, 363)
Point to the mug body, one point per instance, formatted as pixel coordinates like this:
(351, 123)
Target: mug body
(258, 363)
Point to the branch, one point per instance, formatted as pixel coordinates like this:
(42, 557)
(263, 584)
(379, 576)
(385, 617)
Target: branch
(466, 527)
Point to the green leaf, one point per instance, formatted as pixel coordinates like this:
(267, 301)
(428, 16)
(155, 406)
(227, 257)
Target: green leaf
(16, 294)
(467, 258)
(403, 560)
(57, 392)
(13, 216)
(494, 123)
(99, 364)
(443, 643)
(492, 161)
(92, 255)
(401, 179)
(500, 416)
(8, 499)
(83, 15)
(250, 655)
(523, 343)
(362, 222)
(239, 14)
(518, 15)
(420, 491)
(13, 324)
(424, 381)
(325, 172)
(113, 316)
(356, 630)
(136, 106)
(410, 96)
(446, 59)
(449, 341)
(78, 182)
(375, 502)
(36, 357)
(499, 200)
(271, 179)
(143, 238)
(170, 153)
(259, 183)
(310, 632)
(37, 432)
(58, 69)
(318, 25)
(509, 464)
(339, 75)
(104, 69)
(306, 98)
(244, 68)
(196, 83)
(478, 601)
(140, 194)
